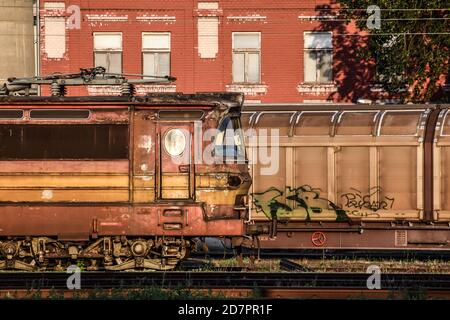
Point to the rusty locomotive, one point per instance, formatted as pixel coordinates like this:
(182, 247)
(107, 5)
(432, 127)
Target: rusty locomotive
(117, 183)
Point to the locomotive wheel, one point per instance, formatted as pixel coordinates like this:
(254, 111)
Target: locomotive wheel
(109, 253)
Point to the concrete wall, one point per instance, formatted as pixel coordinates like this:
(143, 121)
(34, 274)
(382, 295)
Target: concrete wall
(16, 39)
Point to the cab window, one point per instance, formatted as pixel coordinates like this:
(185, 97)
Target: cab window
(229, 141)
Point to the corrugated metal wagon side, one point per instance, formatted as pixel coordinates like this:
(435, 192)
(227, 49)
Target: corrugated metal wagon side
(348, 176)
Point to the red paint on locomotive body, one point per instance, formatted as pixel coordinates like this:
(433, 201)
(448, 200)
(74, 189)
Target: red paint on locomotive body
(82, 222)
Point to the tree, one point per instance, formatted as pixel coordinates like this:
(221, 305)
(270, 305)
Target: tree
(410, 46)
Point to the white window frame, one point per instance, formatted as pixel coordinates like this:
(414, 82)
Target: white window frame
(157, 50)
(109, 50)
(246, 52)
(329, 50)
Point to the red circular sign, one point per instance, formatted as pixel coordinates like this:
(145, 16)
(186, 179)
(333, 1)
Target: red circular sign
(318, 239)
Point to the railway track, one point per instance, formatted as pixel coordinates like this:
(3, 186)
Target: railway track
(235, 284)
(329, 253)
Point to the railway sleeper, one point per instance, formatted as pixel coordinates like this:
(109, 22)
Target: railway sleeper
(106, 253)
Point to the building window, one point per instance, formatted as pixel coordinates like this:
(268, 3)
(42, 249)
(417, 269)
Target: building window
(318, 55)
(156, 54)
(108, 51)
(246, 57)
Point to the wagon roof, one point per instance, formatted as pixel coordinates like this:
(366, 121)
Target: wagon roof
(338, 107)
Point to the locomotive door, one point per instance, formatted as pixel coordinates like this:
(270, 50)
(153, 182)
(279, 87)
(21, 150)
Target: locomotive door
(176, 166)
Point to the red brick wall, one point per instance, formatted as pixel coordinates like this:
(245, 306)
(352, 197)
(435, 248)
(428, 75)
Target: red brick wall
(281, 48)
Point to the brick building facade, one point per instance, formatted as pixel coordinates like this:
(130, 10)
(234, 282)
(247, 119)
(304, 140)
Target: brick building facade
(281, 51)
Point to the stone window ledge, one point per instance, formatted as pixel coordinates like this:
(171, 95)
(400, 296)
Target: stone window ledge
(142, 89)
(248, 89)
(317, 88)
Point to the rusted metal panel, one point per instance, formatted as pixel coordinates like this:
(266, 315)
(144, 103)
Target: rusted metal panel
(143, 195)
(66, 181)
(30, 103)
(95, 115)
(61, 166)
(191, 218)
(143, 181)
(156, 100)
(175, 180)
(373, 235)
(335, 240)
(217, 197)
(112, 220)
(64, 195)
(145, 144)
(428, 238)
(117, 116)
(8, 181)
(175, 171)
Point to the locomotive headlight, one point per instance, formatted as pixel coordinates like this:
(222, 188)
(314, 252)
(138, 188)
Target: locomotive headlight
(175, 142)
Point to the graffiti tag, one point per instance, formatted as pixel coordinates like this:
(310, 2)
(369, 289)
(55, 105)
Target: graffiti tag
(306, 198)
(272, 203)
(357, 200)
(309, 198)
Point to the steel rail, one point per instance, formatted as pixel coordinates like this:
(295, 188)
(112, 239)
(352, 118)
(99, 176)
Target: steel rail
(272, 253)
(214, 280)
